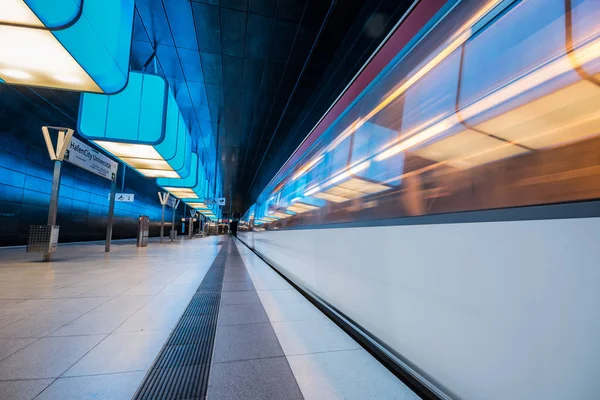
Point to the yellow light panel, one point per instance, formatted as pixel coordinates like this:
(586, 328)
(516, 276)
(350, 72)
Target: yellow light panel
(130, 150)
(155, 173)
(144, 163)
(197, 205)
(17, 12)
(468, 149)
(331, 197)
(343, 192)
(181, 192)
(301, 207)
(567, 115)
(363, 186)
(40, 59)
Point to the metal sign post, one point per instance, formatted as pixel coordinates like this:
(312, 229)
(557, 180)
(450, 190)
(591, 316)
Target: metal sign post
(173, 230)
(163, 197)
(111, 213)
(62, 142)
(84, 156)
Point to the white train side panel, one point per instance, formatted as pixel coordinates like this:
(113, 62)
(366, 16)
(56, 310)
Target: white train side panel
(494, 310)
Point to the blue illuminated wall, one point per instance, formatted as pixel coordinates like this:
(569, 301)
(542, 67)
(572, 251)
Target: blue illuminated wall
(26, 178)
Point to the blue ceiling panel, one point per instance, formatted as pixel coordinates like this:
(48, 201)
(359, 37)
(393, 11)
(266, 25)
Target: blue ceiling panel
(169, 60)
(233, 71)
(190, 62)
(252, 75)
(258, 34)
(241, 62)
(249, 99)
(208, 27)
(181, 23)
(153, 16)
(214, 94)
(240, 5)
(233, 32)
(198, 94)
(212, 68)
(203, 114)
(266, 8)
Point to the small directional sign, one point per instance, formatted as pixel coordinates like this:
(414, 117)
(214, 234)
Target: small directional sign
(214, 201)
(124, 197)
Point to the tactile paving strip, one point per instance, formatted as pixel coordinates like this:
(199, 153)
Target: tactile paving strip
(180, 371)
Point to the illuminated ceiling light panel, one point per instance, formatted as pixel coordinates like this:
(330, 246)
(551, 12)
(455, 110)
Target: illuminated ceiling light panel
(281, 215)
(66, 44)
(198, 205)
(189, 188)
(307, 167)
(468, 149)
(312, 191)
(331, 197)
(530, 80)
(299, 208)
(141, 125)
(567, 115)
(364, 186)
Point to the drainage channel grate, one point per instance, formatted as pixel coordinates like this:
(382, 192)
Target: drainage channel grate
(181, 369)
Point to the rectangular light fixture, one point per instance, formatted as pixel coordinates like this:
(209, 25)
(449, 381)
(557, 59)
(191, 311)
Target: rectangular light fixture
(66, 44)
(189, 188)
(312, 191)
(142, 126)
(299, 208)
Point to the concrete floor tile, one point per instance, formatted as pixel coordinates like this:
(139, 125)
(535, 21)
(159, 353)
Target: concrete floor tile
(245, 342)
(30, 306)
(23, 390)
(312, 336)
(242, 314)
(151, 320)
(237, 286)
(79, 305)
(93, 323)
(124, 304)
(10, 318)
(169, 301)
(231, 298)
(291, 311)
(349, 375)
(96, 387)
(36, 325)
(47, 357)
(121, 352)
(289, 295)
(269, 378)
(145, 289)
(10, 346)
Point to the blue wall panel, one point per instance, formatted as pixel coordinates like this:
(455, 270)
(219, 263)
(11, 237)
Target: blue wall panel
(26, 182)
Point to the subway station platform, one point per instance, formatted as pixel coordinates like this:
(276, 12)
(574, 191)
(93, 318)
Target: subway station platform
(202, 317)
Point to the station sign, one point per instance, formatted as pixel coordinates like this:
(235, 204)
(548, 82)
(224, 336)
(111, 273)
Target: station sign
(123, 197)
(90, 159)
(214, 201)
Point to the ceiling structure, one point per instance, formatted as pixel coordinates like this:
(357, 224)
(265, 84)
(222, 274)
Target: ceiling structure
(257, 74)
(253, 76)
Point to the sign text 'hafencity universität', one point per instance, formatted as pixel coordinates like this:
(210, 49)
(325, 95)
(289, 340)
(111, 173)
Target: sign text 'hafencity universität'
(90, 159)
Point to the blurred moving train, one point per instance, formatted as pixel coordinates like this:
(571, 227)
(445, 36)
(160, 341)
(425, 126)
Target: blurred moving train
(447, 204)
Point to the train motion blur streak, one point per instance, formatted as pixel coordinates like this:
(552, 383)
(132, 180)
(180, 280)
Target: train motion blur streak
(491, 114)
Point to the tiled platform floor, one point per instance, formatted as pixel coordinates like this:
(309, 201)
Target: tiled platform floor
(326, 362)
(89, 325)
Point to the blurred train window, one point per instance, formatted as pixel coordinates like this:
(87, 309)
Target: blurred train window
(505, 112)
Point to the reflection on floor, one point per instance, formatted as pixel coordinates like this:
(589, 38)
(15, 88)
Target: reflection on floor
(89, 325)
